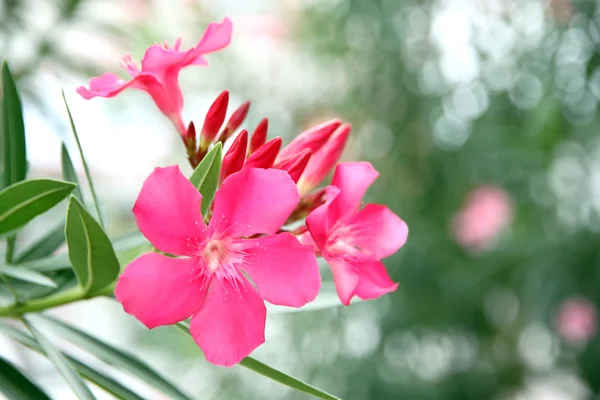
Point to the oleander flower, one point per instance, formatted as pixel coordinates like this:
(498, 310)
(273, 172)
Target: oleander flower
(209, 280)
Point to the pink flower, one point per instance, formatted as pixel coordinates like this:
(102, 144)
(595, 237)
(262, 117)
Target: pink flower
(209, 279)
(487, 212)
(576, 321)
(160, 72)
(353, 240)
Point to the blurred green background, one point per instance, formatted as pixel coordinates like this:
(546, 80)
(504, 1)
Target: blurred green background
(482, 118)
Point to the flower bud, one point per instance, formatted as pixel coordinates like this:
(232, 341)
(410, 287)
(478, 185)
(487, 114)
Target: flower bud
(236, 155)
(236, 119)
(323, 161)
(265, 155)
(259, 137)
(295, 164)
(214, 119)
(312, 139)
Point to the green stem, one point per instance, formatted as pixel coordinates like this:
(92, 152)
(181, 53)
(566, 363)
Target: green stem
(10, 249)
(59, 299)
(85, 166)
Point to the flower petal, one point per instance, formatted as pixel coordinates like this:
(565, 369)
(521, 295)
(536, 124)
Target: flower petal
(216, 36)
(106, 85)
(375, 230)
(353, 179)
(231, 322)
(159, 290)
(253, 201)
(167, 212)
(373, 281)
(345, 276)
(285, 272)
(319, 221)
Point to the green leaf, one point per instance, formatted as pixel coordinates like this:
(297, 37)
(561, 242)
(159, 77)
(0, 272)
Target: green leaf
(68, 171)
(44, 246)
(25, 274)
(16, 386)
(86, 169)
(112, 356)
(60, 363)
(206, 176)
(101, 380)
(273, 373)
(327, 298)
(90, 251)
(23, 201)
(13, 131)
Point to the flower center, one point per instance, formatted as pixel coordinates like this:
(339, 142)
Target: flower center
(216, 253)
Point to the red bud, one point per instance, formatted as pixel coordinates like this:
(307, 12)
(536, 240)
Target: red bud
(295, 165)
(259, 137)
(265, 155)
(190, 136)
(236, 119)
(312, 139)
(214, 119)
(236, 155)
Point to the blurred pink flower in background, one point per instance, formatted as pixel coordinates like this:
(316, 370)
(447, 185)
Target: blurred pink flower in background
(576, 320)
(487, 211)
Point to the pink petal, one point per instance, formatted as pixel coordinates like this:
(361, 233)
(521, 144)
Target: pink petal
(285, 272)
(366, 279)
(313, 139)
(345, 276)
(319, 222)
(106, 85)
(231, 322)
(159, 290)
(167, 212)
(216, 37)
(374, 280)
(353, 179)
(375, 230)
(253, 201)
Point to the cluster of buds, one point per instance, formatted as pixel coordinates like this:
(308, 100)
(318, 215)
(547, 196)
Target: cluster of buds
(308, 159)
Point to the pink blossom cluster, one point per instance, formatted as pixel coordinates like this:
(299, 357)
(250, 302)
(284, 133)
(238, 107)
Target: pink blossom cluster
(219, 268)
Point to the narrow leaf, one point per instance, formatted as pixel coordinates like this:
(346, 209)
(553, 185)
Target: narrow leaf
(23, 201)
(273, 373)
(105, 382)
(16, 386)
(113, 356)
(61, 364)
(327, 298)
(90, 251)
(44, 246)
(25, 274)
(68, 171)
(83, 161)
(13, 131)
(206, 176)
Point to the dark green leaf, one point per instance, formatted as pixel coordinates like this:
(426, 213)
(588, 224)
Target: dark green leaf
(86, 169)
(23, 201)
(272, 373)
(13, 131)
(113, 356)
(16, 386)
(44, 246)
(90, 251)
(68, 171)
(101, 380)
(206, 176)
(60, 363)
(25, 274)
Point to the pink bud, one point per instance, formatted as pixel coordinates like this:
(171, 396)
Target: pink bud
(214, 119)
(322, 162)
(236, 155)
(265, 155)
(259, 137)
(576, 320)
(312, 139)
(236, 119)
(295, 165)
